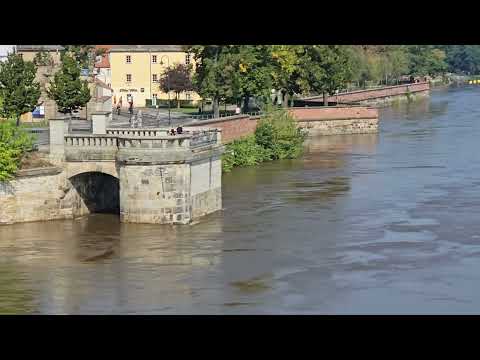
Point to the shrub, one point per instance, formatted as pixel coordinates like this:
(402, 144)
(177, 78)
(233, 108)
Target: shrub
(244, 152)
(14, 142)
(278, 132)
(276, 137)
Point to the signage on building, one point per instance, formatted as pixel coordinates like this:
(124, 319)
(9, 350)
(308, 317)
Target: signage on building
(39, 112)
(128, 90)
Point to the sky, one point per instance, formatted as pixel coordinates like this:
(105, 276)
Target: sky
(4, 49)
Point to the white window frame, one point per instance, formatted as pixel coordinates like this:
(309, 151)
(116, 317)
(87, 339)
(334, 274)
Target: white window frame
(154, 59)
(129, 81)
(128, 59)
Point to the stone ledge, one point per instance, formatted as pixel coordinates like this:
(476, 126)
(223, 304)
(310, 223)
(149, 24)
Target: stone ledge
(51, 170)
(338, 119)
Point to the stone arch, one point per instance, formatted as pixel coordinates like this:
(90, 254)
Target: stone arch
(95, 192)
(77, 168)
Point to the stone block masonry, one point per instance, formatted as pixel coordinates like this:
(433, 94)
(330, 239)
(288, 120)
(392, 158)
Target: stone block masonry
(337, 120)
(145, 176)
(48, 195)
(322, 120)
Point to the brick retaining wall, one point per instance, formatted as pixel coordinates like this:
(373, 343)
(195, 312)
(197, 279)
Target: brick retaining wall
(232, 127)
(317, 120)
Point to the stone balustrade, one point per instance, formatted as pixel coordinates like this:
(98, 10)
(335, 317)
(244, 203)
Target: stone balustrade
(90, 147)
(154, 142)
(138, 132)
(105, 147)
(89, 140)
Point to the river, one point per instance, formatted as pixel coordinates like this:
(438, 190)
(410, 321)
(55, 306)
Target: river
(365, 224)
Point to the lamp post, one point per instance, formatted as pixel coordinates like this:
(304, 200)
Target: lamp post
(168, 85)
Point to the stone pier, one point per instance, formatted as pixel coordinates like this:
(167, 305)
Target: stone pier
(144, 175)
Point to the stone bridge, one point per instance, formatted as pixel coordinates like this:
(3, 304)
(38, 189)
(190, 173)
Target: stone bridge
(145, 175)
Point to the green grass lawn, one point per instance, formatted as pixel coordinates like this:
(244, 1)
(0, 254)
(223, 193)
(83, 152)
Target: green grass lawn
(185, 110)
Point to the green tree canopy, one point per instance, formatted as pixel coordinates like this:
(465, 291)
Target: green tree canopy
(176, 78)
(18, 89)
(69, 92)
(216, 75)
(84, 55)
(426, 60)
(324, 69)
(285, 72)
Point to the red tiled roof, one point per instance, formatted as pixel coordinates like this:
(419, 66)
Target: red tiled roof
(104, 62)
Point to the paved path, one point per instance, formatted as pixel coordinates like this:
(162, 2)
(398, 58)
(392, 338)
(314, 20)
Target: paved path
(151, 118)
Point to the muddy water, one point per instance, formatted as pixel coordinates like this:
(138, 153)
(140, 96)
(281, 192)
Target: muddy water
(364, 224)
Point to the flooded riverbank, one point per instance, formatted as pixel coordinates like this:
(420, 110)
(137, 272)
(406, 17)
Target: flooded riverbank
(375, 224)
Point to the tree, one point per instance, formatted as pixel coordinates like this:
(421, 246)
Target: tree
(254, 68)
(285, 69)
(69, 92)
(426, 60)
(177, 79)
(18, 89)
(14, 142)
(324, 69)
(462, 58)
(84, 55)
(216, 73)
(43, 58)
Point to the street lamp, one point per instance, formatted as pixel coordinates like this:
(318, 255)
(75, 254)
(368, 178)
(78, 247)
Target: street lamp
(168, 85)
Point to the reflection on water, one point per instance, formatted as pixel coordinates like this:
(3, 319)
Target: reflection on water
(376, 223)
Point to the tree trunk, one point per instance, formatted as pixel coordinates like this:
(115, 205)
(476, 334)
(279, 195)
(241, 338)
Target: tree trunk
(325, 99)
(18, 121)
(285, 100)
(216, 110)
(245, 104)
(178, 101)
(292, 104)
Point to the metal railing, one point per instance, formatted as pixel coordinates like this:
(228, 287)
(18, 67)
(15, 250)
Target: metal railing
(42, 135)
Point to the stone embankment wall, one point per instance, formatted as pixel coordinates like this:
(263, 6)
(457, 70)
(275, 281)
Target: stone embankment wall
(337, 120)
(36, 195)
(378, 96)
(331, 120)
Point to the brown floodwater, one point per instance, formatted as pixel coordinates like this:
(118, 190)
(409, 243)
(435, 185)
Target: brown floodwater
(362, 224)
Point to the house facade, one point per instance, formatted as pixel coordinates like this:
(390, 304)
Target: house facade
(137, 69)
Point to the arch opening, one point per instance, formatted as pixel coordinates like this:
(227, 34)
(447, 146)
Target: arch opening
(97, 193)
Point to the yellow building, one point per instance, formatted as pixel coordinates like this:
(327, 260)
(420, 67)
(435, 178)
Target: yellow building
(137, 69)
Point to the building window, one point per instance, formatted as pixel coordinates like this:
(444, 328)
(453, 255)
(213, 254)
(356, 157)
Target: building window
(154, 78)
(128, 59)
(154, 59)
(129, 77)
(187, 59)
(188, 95)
